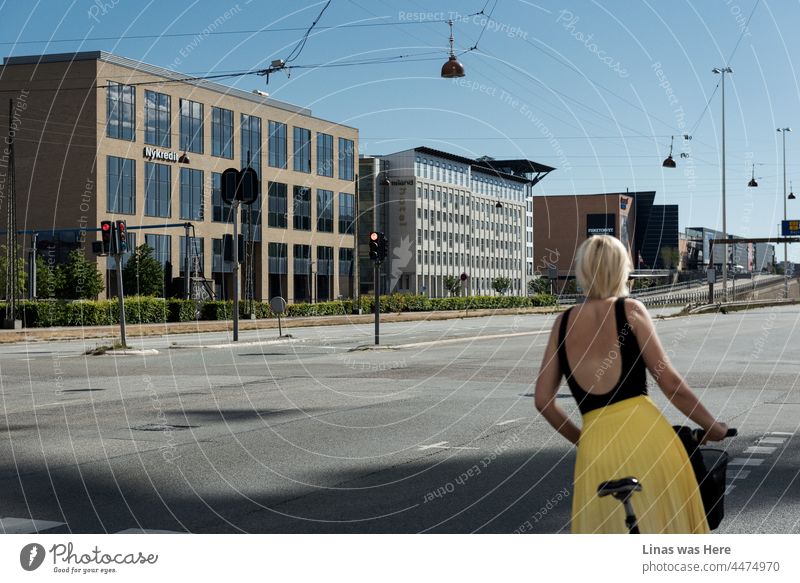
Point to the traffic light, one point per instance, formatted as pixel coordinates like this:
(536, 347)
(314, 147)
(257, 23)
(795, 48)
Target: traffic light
(122, 237)
(106, 239)
(374, 245)
(383, 247)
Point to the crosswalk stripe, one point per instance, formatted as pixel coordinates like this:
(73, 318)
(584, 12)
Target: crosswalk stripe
(740, 475)
(745, 461)
(759, 449)
(781, 433)
(12, 525)
(772, 440)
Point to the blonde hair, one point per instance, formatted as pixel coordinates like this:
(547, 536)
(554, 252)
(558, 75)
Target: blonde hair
(603, 266)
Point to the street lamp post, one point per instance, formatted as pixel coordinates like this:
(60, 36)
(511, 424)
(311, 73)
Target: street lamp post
(785, 245)
(722, 71)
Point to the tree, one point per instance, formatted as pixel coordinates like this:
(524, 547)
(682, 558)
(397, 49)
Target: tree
(45, 278)
(21, 279)
(540, 285)
(670, 257)
(78, 279)
(143, 274)
(452, 284)
(501, 285)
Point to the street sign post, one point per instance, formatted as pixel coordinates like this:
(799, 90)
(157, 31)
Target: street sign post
(278, 307)
(790, 228)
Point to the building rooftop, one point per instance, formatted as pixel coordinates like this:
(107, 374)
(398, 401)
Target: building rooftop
(154, 70)
(500, 168)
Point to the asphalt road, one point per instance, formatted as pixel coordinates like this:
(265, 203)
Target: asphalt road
(434, 432)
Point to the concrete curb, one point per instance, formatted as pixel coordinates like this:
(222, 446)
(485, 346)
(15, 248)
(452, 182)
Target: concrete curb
(240, 344)
(200, 327)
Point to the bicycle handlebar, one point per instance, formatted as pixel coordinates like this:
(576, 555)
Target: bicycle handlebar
(699, 434)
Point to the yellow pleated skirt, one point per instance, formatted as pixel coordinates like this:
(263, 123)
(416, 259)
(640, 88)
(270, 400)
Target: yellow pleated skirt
(633, 438)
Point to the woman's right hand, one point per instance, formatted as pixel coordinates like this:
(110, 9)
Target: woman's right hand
(717, 432)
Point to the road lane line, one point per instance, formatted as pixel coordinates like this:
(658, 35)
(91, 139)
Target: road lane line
(759, 449)
(470, 338)
(772, 440)
(744, 461)
(424, 447)
(741, 475)
(510, 421)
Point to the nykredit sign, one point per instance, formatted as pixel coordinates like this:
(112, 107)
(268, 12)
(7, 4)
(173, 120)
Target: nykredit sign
(153, 154)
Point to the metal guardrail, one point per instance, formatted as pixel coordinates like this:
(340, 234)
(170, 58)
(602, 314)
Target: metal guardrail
(699, 295)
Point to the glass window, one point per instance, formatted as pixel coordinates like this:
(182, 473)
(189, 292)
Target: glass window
(277, 144)
(157, 119)
(196, 254)
(346, 159)
(302, 208)
(157, 190)
(302, 259)
(324, 260)
(324, 154)
(121, 111)
(324, 210)
(191, 194)
(347, 213)
(302, 150)
(121, 187)
(277, 258)
(277, 209)
(161, 246)
(191, 126)
(221, 132)
(251, 143)
(345, 261)
(221, 211)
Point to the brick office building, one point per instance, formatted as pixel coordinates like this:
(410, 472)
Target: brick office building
(105, 137)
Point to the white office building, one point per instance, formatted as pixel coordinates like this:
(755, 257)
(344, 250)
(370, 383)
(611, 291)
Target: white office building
(448, 215)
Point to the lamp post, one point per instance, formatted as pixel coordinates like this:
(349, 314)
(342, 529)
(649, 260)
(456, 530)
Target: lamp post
(722, 71)
(785, 245)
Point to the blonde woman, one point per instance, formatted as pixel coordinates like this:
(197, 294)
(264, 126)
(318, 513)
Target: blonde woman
(604, 347)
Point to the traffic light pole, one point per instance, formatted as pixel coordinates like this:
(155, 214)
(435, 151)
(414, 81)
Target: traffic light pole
(123, 339)
(235, 270)
(377, 303)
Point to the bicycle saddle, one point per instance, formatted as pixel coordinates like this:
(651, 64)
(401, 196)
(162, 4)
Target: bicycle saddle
(619, 487)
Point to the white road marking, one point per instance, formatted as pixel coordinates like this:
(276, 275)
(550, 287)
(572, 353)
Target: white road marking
(147, 531)
(729, 489)
(470, 338)
(773, 440)
(741, 475)
(781, 433)
(26, 525)
(743, 461)
(510, 421)
(441, 445)
(758, 449)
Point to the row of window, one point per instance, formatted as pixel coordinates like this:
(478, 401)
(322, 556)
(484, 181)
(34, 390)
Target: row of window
(449, 258)
(442, 216)
(121, 198)
(121, 124)
(458, 174)
(504, 212)
(451, 238)
(277, 260)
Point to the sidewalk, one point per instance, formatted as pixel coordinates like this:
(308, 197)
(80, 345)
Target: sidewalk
(201, 326)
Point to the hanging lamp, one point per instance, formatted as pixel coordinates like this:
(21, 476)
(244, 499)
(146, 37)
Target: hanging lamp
(668, 161)
(753, 183)
(452, 69)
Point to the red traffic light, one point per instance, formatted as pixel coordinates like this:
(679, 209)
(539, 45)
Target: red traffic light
(106, 226)
(374, 236)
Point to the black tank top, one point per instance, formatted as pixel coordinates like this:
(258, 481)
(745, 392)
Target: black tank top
(633, 377)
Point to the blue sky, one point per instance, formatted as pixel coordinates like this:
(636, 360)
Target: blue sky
(594, 88)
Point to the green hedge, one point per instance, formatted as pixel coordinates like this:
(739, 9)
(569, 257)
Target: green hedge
(151, 310)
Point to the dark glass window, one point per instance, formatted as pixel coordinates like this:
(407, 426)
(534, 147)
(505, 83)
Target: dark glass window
(251, 143)
(277, 205)
(196, 254)
(121, 191)
(161, 246)
(221, 132)
(324, 154)
(191, 194)
(347, 213)
(121, 111)
(346, 159)
(157, 115)
(277, 258)
(324, 211)
(157, 190)
(302, 208)
(345, 261)
(302, 150)
(277, 144)
(191, 126)
(221, 211)
(302, 259)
